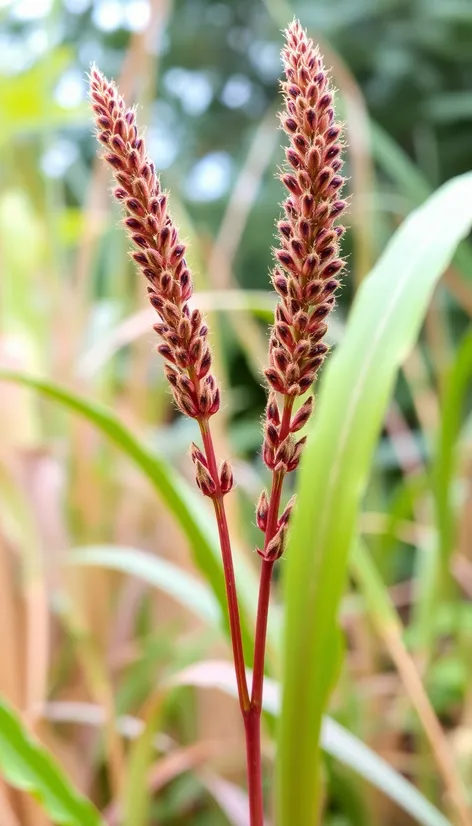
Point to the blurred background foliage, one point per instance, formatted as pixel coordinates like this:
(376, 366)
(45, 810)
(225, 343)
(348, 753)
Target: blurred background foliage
(80, 644)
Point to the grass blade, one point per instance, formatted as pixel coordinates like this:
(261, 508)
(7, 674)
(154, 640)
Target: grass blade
(395, 162)
(136, 793)
(385, 321)
(432, 576)
(26, 765)
(179, 584)
(387, 622)
(444, 466)
(349, 750)
(186, 506)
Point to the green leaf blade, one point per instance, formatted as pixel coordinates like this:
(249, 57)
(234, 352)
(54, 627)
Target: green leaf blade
(174, 581)
(27, 766)
(182, 501)
(359, 379)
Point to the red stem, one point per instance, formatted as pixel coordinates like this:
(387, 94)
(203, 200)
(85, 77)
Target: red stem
(251, 708)
(252, 726)
(261, 634)
(230, 580)
(266, 570)
(253, 720)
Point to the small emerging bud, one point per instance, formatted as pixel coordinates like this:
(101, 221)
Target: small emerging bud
(296, 455)
(272, 410)
(302, 415)
(226, 478)
(215, 405)
(268, 455)
(204, 480)
(272, 434)
(285, 451)
(274, 379)
(275, 548)
(262, 511)
(197, 455)
(285, 517)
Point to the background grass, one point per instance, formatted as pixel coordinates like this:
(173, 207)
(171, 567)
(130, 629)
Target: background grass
(116, 657)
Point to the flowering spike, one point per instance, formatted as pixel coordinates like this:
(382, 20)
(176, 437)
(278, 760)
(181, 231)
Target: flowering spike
(159, 253)
(307, 258)
(306, 271)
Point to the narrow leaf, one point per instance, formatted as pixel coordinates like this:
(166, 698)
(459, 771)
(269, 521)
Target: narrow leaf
(358, 382)
(27, 765)
(184, 503)
(444, 465)
(177, 583)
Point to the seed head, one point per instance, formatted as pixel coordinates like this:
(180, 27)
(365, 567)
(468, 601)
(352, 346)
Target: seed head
(159, 253)
(308, 263)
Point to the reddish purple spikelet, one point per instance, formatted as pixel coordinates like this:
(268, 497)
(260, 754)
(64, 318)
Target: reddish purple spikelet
(262, 510)
(284, 519)
(275, 548)
(226, 478)
(302, 415)
(197, 455)
(204, 480)
(160, 255)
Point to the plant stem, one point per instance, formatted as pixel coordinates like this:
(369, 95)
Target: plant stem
(228, 567)
(261, 633)
(251, 708)
(250, 717)
(252, 727)
(253, 719)
(266, 570)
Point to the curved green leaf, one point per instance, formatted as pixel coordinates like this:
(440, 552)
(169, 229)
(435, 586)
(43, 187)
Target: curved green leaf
(433, 567)
(410, 180)
(445, 460)
(192, 516)
(384, 323)
(349, 750)
(335, 741)
(136, 796)
(26, 765)
(177, 583)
